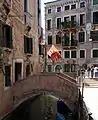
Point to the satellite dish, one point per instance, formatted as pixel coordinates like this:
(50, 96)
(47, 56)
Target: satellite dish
(88, 27)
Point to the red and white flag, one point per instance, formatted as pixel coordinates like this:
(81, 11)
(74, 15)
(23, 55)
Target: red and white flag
(54, 54)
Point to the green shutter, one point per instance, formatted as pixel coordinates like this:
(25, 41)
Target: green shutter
(11, 41)
(8, 36)
(25, 44)
(95, 2)
(30, 45)
(1, 35)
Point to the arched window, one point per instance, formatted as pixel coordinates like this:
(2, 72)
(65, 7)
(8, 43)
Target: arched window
(58, 68)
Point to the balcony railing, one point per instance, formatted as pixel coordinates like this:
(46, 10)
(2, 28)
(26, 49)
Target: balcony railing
(69, 43)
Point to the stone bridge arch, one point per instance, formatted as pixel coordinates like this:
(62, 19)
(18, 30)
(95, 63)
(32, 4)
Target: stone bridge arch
(58, 85)
(46, 84)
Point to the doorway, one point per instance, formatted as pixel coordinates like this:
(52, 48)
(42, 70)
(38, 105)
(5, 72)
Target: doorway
(18, 70)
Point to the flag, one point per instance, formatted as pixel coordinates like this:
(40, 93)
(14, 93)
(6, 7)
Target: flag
(54, 54)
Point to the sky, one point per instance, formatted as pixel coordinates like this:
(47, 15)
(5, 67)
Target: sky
(42, 12)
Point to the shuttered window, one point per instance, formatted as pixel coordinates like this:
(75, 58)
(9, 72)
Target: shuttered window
(5, 36)
(28, 45)
(7, 76)
(95, 2)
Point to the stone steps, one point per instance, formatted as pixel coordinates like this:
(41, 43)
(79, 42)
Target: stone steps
(91, 83)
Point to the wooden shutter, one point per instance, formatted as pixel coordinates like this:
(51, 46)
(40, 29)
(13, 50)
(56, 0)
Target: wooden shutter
(30, 45)
(7, 76)
(25, 44)
(8, 36)
(1, 35)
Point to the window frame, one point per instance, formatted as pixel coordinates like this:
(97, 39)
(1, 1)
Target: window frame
(85, 18)
(59, 7)
(48, 39)
(84, 36)
(64, 54)
(48, 11)
(93, 17)
(56, 21)
(73, 51)
(75, 6)
(80, 4)
(47, 24)
(92, 52)
(48, 68)
(84, 53)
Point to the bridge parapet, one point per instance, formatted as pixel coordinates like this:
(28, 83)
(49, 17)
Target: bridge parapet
(54, 84)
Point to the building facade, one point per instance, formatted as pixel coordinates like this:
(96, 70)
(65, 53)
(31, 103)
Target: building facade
(71, 26)
(19, 41)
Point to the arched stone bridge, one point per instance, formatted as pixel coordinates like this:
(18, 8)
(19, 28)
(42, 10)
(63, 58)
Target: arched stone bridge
(57, 84)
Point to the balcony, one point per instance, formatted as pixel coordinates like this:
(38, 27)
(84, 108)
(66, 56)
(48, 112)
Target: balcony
(27, 21)
(70, 44)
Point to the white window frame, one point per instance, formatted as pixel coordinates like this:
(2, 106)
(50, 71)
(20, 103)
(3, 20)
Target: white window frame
(76, 6)
(92, 3)
(6, 88)
(22, 69)
(46, 22)
(85, 53)
(81, 2)
(48, 9)
(85, 36)
(56, 20)
(92, 15)
(92, 52)
(66, 5)
(71, 54)
(61, 9)
(82, 14)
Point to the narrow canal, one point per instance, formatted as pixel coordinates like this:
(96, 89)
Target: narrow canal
(44, 107)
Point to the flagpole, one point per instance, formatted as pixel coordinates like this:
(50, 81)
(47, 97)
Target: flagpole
(45, 58)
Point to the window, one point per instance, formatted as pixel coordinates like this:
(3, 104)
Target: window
(67, 7)
(49, 40)
(49, 11)
(95, 53)
(82, 19)
(58, 9)
(94, 35)
(7, 76)
(66, 19)
(49, 68)
(82, 4)
(58, 39)
(60, 52)
(28, 45)
(58, 23)
(6, 36)
(73, 68)
(95, 17)
(82, 53)
(25, 6)
(67, 68)
(81, 36)
(95, 2)
(73, 6)
(49, 24)
(66, 54)
(73, 54)
(73, 21)
(27, 70)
